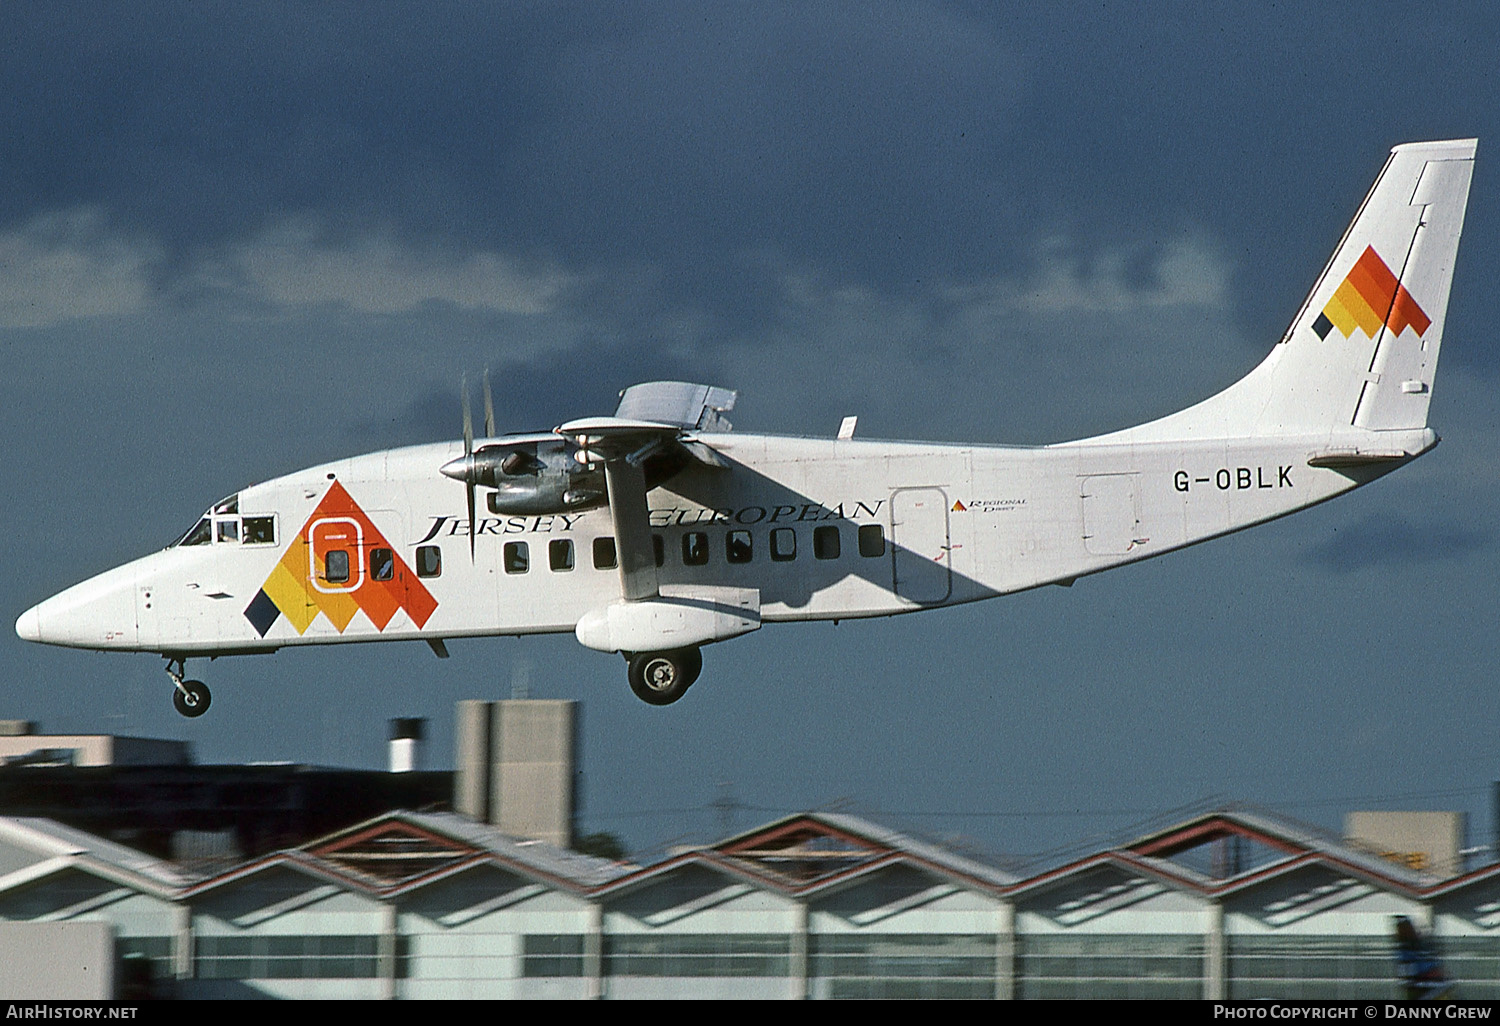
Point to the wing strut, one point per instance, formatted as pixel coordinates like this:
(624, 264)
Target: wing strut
(636, 552)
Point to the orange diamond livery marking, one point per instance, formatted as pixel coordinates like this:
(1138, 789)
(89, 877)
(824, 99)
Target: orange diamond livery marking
(339, 564)
(1371, 296)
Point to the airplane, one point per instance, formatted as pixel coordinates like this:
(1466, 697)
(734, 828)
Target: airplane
(658, 530)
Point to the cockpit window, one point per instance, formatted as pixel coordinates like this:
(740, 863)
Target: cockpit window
(200, 533)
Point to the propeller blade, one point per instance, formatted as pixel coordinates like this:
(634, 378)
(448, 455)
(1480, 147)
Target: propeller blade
(468, 418)
(469, 487)
(468, 460)
(489, 407)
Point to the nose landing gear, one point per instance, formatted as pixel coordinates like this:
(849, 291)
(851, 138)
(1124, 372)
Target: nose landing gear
(189, 697)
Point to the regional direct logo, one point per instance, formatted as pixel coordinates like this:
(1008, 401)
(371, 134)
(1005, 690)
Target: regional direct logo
(339, 565)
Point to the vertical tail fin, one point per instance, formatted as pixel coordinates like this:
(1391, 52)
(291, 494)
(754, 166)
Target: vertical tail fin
(1387, 286)
(1363, 349)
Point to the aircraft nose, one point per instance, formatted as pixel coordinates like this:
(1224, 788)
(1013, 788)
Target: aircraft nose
(99, 613)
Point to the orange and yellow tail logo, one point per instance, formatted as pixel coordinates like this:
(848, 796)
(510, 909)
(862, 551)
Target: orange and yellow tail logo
(339, 564)
(1369, 297)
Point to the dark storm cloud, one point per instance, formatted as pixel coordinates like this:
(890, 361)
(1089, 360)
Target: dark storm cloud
(529, 395)
(239, 239)
(1387, 540)
(881, 144)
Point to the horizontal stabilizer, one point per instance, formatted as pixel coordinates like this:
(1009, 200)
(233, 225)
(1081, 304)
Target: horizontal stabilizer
(1357, 459)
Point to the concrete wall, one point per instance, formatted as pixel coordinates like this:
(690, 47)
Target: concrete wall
(57, 961)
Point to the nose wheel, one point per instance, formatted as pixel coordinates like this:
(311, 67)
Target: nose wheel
(191, 698)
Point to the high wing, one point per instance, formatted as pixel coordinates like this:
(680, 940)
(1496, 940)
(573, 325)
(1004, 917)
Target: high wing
(650, 429)
(652, 437)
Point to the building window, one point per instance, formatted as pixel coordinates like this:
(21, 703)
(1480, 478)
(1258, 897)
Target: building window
(1475, 961)
(687, 954)
(1113, 966)
(898, 965)
(1315, 967)
(286, 958)
(552, 954)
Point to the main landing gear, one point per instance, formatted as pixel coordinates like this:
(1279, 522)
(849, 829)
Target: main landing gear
(189, 697)
(661, 678)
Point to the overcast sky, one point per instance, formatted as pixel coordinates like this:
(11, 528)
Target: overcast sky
(238, 239)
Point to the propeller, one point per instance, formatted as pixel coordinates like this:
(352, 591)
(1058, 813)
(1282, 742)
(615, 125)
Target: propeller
(469, 461)
(489, 407)
(467, 468)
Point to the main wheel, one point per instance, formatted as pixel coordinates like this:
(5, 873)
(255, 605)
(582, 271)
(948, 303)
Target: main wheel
(661, 678)
(192, 698)
(692, 665)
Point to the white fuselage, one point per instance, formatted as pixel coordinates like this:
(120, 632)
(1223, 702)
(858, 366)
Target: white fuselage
(956, 523)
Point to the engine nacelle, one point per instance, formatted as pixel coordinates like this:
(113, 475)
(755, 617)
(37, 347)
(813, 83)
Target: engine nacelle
(537, 478)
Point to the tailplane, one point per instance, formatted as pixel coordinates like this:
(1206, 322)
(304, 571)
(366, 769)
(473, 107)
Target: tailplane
(1363, 350)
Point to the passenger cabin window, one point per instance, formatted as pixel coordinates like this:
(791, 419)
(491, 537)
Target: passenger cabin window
(517, 558)
(872, 540)
(604, 554)
(429, 561)
(382, 564)
(336, 567)
(737, 547)
(560, 554)
(783, 544)
(260, 530)
(695, 548)
(659, 550)
(827, 541)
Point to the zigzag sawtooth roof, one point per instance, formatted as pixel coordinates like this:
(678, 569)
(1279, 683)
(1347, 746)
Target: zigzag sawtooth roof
(474, 842)
(46, 836)
(870, 847)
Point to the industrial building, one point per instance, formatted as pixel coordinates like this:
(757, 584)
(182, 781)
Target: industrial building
(1227, 904)
(127, 871)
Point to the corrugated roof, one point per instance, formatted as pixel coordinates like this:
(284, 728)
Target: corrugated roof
(584, 870)
(879, 841)
(53, 839)
(1288, 832)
